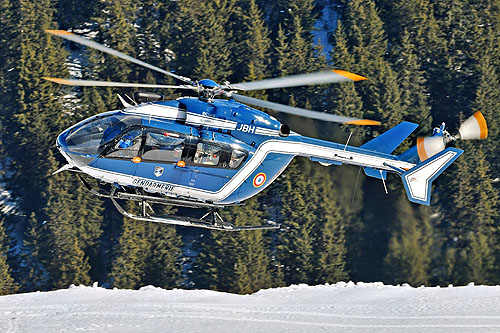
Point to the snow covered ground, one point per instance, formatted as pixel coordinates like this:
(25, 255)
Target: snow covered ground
(343, 307)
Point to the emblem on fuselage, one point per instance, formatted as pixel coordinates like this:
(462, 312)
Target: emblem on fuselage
(259, 179)
(158, 171)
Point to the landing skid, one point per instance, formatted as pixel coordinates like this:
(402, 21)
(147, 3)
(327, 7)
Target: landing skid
(211, 220)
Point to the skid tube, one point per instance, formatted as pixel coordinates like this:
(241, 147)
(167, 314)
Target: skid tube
(210, 220)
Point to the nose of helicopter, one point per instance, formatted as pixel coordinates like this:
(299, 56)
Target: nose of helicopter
(74, 158)
(62, 146)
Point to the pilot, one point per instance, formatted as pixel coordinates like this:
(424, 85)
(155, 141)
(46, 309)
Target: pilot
(114, 128)
(126, 141)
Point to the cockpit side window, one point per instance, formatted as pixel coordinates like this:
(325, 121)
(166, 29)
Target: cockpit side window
(94, 135)
(128, 145)
(163, 147)
(207, 154)
(212, 154)
(237, 157)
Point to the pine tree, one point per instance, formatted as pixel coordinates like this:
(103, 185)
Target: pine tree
(416, 19)
(214, 267)
(487, 101)
(453, 73)
(116, 29)
(204, 39)
(35, 116)
(153, 28)
(481, 258)
(256, 47)
(235, 262)
(344, 99)
(471, 218)
(252, 266)
(486, 217)
(296, 53)
(410, 247)
(88, 224)
(66, 262)
(146, 254)
(366, 36)
(331, 247)
(162, 268)
(414, 101)
(7, 285)
(133, 248)
(295, 237)
(285, 13)
(34, 255)
(74, 14)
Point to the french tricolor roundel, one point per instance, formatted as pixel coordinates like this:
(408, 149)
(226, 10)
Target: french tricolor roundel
(259, 179)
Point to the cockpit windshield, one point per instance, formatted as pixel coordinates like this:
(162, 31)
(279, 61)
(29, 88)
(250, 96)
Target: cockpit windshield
(91, 137)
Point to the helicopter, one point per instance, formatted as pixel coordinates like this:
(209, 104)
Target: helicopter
(211, 153)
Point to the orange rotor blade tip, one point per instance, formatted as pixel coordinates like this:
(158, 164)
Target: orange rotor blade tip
(349, 75)
(364, 122)
(482, 124)
(57, 80)
(59, 32)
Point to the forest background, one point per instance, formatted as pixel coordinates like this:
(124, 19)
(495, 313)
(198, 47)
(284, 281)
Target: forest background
(427, 61)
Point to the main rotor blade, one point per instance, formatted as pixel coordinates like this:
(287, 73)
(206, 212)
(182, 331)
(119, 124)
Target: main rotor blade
(90, 83)
(329, 76)
(303, 112)
(84, 41)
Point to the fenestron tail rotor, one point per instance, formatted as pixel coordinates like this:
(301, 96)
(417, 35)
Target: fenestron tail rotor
(472, 128)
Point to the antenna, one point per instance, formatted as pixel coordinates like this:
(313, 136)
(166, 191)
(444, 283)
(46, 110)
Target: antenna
(383, 181)
(355, 186)
(349, 138)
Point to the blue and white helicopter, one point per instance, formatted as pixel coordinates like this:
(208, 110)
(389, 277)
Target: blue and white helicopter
(203, 152)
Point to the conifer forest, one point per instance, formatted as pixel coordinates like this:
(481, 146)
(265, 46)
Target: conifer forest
(427, 62)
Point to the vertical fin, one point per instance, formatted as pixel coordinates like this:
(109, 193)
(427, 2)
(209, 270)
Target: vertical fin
(418, 180)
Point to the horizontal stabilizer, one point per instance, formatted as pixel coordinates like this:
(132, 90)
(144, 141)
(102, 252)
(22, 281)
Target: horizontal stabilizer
(391, 139)
(418, 180)
(375, 173)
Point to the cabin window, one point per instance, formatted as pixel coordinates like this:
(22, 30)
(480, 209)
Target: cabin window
(128, 146)
(163, 147)
(207, 154)
(237, 156)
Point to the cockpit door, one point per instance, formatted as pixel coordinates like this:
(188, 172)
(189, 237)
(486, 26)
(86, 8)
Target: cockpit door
(163, 157)
(116, 161)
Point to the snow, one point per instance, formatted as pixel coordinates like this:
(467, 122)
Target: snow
(342, 307)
